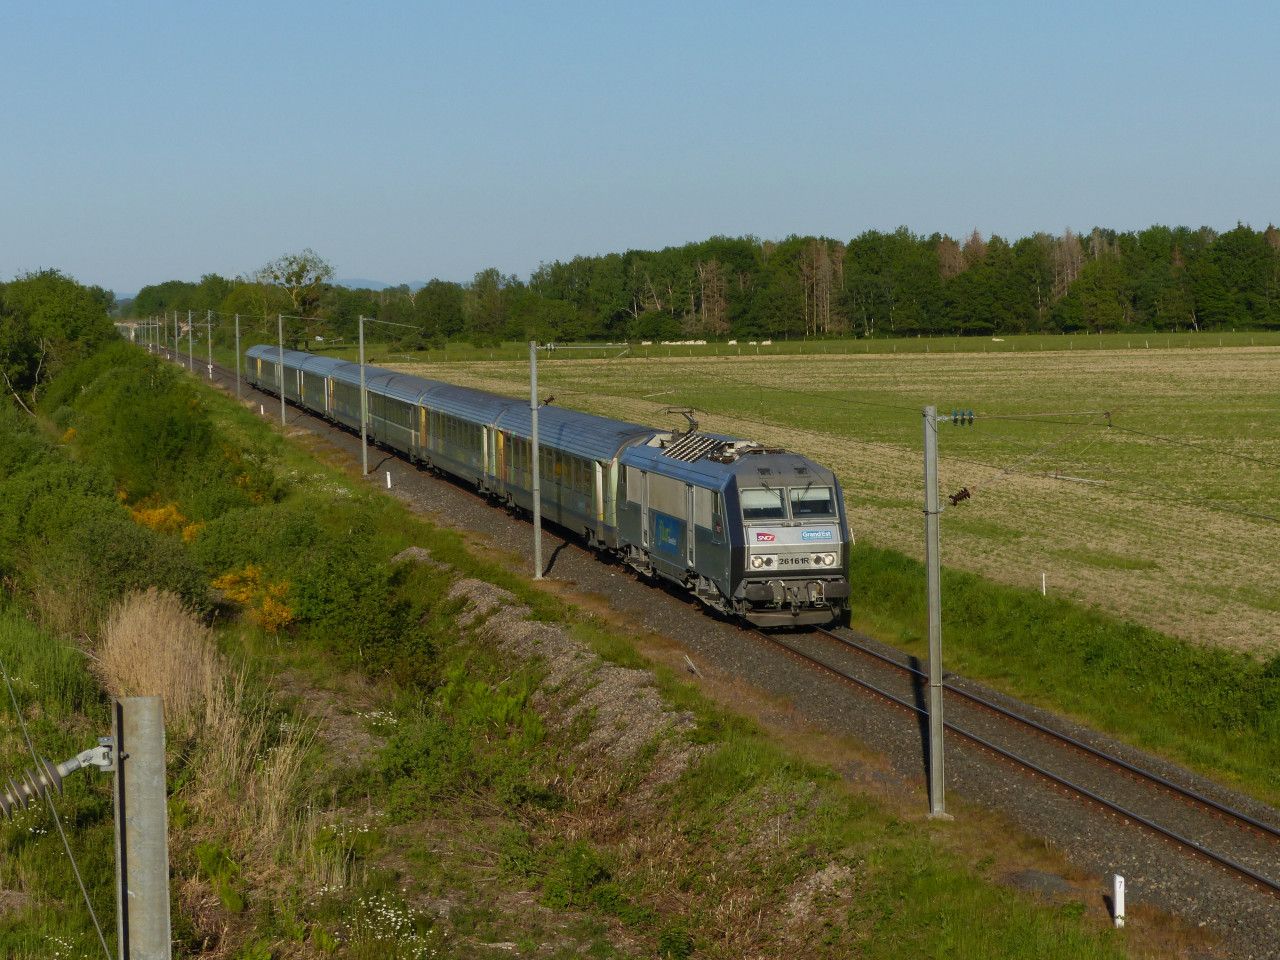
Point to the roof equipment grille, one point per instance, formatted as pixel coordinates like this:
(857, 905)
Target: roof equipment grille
(689, 447)
(692, 446)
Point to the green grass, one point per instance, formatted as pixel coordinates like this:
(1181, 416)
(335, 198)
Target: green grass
(1178, 537)
(1105, 560)
(1213, 709)
(472, 741)
(380, 351)
(65, 714)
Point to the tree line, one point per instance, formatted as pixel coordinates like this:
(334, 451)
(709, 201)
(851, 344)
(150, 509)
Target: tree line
(876, 284)
(48, 321)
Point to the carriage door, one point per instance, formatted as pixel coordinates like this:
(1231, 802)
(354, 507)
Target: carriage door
(643, 493)
(690, 537)
(599, 472)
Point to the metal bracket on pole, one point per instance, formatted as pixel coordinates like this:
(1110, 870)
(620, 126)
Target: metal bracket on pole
(136, 754)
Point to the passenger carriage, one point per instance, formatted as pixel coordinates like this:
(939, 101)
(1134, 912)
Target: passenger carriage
(751, 531)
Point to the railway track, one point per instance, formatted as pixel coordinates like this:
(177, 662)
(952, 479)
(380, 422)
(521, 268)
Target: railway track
(1244, 845)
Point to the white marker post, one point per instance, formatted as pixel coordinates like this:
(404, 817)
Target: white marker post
(1044, 584)
(388, 479)
(1117, 899)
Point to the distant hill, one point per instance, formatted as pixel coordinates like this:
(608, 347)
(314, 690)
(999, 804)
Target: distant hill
(361, 284)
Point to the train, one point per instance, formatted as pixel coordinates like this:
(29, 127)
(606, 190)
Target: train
(751, 531)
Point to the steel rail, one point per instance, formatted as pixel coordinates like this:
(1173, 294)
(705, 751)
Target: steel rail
(1270, 885)
(1108, 758)
(1267, 883)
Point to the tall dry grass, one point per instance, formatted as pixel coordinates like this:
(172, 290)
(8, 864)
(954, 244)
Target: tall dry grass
(153, 646)
(251, 767)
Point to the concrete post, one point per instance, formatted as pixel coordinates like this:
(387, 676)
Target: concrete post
(237, 356)
(537, 466)
(364, 410)
(142, 831)
(280, 366)
(937, 785)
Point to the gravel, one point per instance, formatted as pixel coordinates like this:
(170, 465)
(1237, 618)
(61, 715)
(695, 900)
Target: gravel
(1244, 920)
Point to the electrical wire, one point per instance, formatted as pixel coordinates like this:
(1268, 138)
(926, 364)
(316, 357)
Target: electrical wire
(48, 796)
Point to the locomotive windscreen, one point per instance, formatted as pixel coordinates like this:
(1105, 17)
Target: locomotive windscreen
(812, 502)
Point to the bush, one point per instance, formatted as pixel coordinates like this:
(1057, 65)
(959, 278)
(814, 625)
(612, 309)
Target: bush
(146, 425)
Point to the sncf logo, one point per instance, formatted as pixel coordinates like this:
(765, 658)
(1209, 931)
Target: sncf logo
(765, 538)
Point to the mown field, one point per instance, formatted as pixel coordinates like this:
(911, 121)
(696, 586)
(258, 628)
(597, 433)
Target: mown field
(411, 351)
(1180, 534)
(356, 773)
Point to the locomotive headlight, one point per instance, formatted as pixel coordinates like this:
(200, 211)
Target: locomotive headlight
(768, 561)
(829, 559)
(757, 562)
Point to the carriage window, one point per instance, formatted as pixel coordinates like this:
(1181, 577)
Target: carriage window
(762, 505)
(634, 485)
(812, 502)
(706, 512)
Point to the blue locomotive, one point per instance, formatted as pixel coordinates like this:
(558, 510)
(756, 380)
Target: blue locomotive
(751, 531)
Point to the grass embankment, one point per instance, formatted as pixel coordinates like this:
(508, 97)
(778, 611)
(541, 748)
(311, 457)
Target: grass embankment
(445, 807)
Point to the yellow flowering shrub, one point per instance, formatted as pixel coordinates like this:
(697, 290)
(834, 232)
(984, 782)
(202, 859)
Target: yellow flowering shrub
(165, 519)
(264, 601)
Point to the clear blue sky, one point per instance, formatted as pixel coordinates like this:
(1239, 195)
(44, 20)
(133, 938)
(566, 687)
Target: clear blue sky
(147, 141)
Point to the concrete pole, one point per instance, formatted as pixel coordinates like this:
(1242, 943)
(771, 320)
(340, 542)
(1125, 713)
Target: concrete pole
(237, 356)
(142, 831)
(937, 786)
(537, 466)
(280, 366)
(208, 335)
(364, 410)
(191, 344)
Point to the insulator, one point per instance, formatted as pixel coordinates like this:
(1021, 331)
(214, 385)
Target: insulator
(21, 794)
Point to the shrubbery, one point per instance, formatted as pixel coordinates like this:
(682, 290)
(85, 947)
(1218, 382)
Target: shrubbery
(67, 545)
(144, 433)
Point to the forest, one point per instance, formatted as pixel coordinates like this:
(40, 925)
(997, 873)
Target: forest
(878, 284)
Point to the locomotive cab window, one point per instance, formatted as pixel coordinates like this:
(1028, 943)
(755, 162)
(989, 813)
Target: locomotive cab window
(762, 505)
(812, 502)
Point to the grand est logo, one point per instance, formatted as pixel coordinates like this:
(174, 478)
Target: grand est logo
(762, 537)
